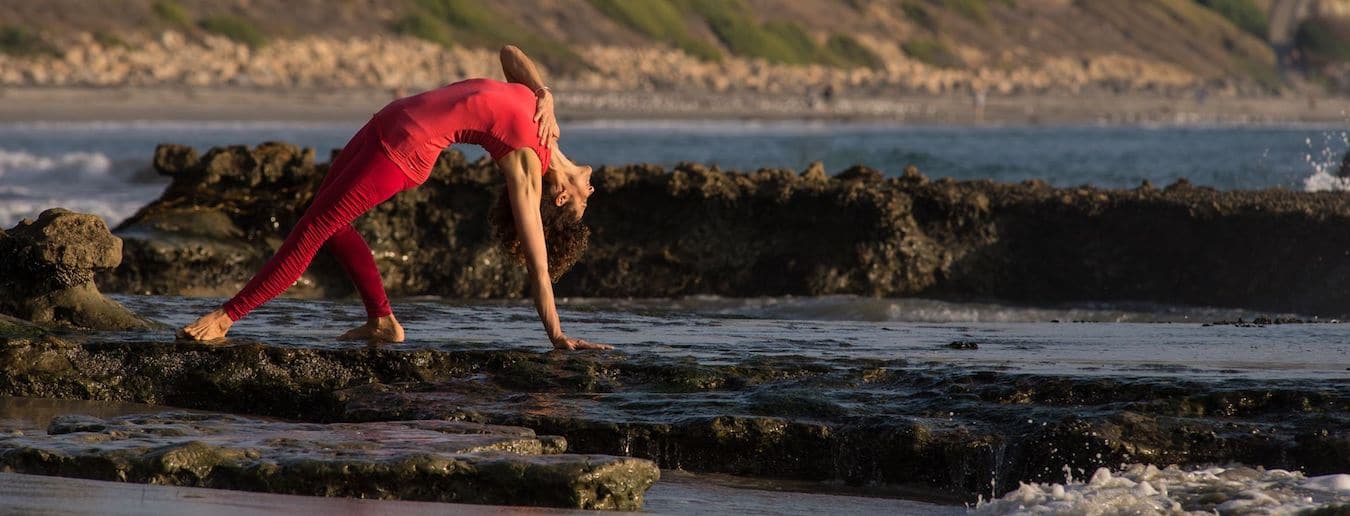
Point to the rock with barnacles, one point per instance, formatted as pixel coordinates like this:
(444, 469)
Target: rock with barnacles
(47, 272)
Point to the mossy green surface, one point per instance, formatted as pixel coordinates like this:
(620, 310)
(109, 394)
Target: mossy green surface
(13, 327)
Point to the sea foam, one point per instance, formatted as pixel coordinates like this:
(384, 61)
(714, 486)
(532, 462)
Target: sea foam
(1145, 489)
(25, 167)
(89, 182)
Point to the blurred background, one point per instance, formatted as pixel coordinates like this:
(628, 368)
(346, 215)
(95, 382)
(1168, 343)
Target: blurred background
(1226, 93)
(811, 51)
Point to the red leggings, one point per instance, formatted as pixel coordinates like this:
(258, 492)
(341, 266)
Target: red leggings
(360, 178)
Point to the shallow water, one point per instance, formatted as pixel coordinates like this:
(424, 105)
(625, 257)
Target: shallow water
(103, 167)
(706, 332)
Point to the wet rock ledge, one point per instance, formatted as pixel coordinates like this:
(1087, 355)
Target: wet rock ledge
(947, 429)
(695, 230)
(442, 461)
(47, 269)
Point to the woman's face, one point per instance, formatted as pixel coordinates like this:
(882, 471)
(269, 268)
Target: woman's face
(573, 183)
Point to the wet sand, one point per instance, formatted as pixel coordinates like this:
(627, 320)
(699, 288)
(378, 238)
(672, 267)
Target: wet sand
(205, 104)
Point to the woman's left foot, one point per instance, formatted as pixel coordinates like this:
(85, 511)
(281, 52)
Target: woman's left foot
(376, 329)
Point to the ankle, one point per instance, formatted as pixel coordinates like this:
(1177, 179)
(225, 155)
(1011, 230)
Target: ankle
(384, 321)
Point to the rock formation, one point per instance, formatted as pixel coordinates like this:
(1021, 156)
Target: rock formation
(47, 272)
(442, 461)
(947, 429)
(696, 230)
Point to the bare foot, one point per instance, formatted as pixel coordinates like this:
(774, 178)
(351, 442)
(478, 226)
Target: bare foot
(376, 329)
(211, 326)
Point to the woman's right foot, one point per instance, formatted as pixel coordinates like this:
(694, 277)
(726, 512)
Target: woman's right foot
(377, 329)
(211, 326)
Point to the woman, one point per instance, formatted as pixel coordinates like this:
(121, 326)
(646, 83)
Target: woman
(538, 217)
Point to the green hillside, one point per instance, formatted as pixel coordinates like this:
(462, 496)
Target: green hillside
(1222, 39)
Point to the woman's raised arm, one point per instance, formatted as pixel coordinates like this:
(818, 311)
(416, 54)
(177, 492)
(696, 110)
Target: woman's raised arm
(519, 69)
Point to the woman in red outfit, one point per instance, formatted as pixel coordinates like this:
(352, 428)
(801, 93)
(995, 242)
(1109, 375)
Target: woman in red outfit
(538, 218)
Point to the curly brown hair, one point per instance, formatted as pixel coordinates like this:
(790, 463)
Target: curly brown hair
(565, 236)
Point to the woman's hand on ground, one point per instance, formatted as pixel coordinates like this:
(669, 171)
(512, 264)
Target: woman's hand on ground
(569, 343)
(548, 123)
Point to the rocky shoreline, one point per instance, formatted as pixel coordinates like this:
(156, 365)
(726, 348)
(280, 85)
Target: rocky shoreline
(694, 230)
(482, 416)
(952, 430)
(442, 461)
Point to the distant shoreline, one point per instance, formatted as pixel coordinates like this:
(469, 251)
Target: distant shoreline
(245, 104)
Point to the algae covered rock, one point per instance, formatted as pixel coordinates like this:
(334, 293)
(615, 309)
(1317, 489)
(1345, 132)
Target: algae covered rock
(442, 461)
(15, 327)
(866, 421)
(47, 272)
(170, 159)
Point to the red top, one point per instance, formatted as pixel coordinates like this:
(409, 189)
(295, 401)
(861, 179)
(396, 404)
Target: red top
(496, 115)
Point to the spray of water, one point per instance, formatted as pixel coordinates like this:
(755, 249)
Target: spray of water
(1146, 489)
(1324, 159)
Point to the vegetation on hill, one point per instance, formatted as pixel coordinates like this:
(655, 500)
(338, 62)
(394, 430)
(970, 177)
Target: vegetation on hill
(661, 20)
(450, 22)
(737, 28)
(930, 51)
(235, 28)
(1322, 41)
(1245, 14)
(171, 12)
(1219, 40)
(20, 41)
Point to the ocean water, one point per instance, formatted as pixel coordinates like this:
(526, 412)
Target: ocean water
(103, 167)
(1011, 339)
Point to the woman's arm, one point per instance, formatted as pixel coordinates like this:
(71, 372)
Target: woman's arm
(518, 68)
(524, 185)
